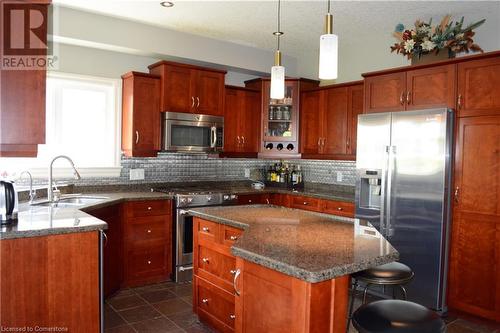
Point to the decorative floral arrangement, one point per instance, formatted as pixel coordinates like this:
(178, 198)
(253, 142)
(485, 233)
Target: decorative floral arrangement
(425, 38)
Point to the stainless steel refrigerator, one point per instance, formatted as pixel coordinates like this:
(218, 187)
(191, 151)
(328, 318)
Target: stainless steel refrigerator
(403, 180)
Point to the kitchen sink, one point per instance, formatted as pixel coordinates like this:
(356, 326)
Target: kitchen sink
(73, 201)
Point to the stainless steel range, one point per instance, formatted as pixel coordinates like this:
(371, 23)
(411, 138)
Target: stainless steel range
(183, 228)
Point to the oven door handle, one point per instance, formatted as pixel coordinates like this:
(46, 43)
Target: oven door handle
(213, 134)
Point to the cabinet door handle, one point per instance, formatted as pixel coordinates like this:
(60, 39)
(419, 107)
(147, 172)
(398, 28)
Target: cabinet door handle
(457, 194)
(236, 275)
(402, 98)
(238, 139)
(305, 203)
(243, 139)
(233, 238)
(192, 102)
(319, 142)
(205, 229)
(408, 97)
(204, 301)
(149, 208)
(149, 231)
(347, 143)
(459, 101)
(198, 102)
(324, 141)
(232, 316)
(205, 260)
(233, 271)
(340, 209)
(149, 262)
(136, 137)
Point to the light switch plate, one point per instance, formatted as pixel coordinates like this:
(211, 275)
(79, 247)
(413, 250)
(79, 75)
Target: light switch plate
(136, 174)
(247, 173)
(340, 176)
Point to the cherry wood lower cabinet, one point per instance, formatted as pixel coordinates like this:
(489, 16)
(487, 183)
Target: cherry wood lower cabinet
(270, 301)
(214, 268)
(51, 281)
(474, 278)
(147, 228)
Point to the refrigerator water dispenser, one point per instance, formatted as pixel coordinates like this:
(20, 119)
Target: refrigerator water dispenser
(370, 189)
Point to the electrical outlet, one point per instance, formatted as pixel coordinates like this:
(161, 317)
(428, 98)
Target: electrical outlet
(340, 176)
(247, 173)
(136, 174)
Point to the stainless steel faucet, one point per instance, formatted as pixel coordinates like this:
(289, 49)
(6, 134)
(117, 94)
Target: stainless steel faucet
(50, 193)
(32, 191)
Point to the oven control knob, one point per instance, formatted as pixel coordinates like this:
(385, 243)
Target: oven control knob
(233, 196)
(190, 200)
(209, 198)
(183, 200)
(226, 197)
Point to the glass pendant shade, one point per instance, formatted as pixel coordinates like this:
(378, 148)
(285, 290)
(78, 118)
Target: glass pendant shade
(328, 57)
(277, 82)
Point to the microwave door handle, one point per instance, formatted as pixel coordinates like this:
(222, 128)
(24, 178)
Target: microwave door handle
(213, 134)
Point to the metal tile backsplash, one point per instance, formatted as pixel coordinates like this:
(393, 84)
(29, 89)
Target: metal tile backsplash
(175, 167)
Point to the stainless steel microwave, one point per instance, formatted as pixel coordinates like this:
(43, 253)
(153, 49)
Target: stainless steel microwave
(187, 132)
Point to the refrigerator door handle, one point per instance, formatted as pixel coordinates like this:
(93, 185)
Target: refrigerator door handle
(383, 192)
(390, 179)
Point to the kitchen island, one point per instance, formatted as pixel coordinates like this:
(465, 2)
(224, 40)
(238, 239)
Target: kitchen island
(272, 269)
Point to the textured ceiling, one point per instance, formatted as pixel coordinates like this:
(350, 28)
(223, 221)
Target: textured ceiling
(251, 23)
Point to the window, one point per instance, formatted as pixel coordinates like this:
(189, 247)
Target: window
(82, 121)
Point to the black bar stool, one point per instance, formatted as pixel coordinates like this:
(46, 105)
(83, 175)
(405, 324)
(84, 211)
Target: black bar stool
(396, 316)
(391, 274)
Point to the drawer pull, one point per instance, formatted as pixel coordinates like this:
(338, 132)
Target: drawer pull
(233, 271)
(205, 229)
(232, 316)
(340, 208)
(249, 200)
(205, 260)
(233, 238)
(236, 274)
(149, 231)
(149, 208)
(305, 202)
(204, 301)
(149, 262)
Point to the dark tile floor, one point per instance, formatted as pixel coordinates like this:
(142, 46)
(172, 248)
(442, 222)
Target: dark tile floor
(167, 307)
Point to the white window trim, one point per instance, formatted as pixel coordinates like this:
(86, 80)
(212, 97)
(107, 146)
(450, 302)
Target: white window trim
(99, 172)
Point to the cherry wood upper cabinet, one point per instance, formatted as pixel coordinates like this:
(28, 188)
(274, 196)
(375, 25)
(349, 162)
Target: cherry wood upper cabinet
(422, 88)
(140, 114)
(385, 93)
(22, 103)
(474, 279)
(432, 87)
(242, 112)
(329, 118)
(310, 113)
(190, 89)
(335, 121)
(479, 87)
(355, 108)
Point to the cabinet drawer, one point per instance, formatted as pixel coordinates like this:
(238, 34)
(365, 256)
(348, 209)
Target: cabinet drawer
(339, 208)
(147, 261)
(145, 229)
(252, 199)
(216, 302)
(216, 263)
(149, 208)
(207, 230)
(305, 203)
(230, 234)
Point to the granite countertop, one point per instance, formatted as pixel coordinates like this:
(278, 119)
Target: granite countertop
(45, 220)
(310, 246)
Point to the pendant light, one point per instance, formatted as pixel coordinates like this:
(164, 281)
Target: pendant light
(328, 50)
(278, 71)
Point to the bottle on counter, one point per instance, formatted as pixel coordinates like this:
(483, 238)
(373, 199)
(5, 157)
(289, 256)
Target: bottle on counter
(299, 175)
(293, 176)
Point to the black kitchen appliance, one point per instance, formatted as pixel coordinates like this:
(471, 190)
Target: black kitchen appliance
(8, 202)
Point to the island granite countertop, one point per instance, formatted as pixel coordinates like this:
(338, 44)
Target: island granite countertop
(313, 247)
(46, 220)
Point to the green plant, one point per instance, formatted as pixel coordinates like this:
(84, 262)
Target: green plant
(426, 38)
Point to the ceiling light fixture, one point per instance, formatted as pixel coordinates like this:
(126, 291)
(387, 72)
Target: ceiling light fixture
(167, 4)
(278, 71)
(328, 50)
